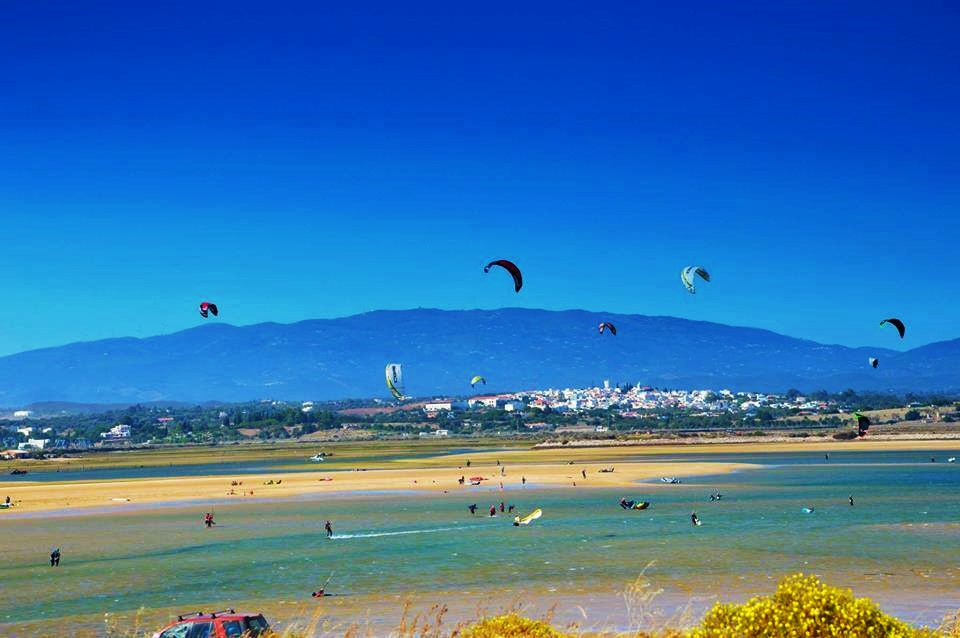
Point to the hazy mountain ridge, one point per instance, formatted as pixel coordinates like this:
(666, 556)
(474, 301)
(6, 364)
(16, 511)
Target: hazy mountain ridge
(513, 348)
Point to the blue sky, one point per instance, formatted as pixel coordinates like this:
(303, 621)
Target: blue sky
(301, 160)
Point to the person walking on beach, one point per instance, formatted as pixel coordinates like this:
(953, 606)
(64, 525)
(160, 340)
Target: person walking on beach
(327, 526)
(55, 557)
(584, 473)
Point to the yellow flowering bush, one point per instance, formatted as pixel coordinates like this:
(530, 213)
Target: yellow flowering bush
(510, 626)
(803, 606)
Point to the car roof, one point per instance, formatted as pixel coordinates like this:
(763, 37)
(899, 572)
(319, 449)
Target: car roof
(228, 614)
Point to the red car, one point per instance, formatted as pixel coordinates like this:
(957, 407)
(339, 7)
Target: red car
(219, 624)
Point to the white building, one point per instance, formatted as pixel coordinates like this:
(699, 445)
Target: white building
(486, 402)
(33, 444)
(121, 431)
(22, 414)
(444, 406)
(27, 431)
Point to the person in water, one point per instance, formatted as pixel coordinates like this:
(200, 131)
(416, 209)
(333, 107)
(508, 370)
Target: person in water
(851, 500)
(510, 509)
(327, 526)
(493, 510)
(694, 518)
(55, 557)
(208, 520)
(319, 593)
(501, 507)
(472, 508)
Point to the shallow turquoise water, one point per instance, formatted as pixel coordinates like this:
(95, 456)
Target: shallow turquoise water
(900, 543)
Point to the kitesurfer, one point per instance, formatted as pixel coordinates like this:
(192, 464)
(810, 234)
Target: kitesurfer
(851, 500)
(694, 518)
(55, 557)
(327, 526)
(208, 520)
(501, 507)
(493, 510)
(472, 508)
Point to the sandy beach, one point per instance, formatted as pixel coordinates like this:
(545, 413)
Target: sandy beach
(38, 497)
(543, 467)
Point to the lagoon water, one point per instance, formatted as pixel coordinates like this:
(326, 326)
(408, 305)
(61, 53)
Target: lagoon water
(900, 543)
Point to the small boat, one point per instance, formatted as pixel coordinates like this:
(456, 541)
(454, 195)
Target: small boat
(316, 458)
(952, 459)
(670, 479)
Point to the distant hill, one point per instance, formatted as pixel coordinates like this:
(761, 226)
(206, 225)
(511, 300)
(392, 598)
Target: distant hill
(513, 348)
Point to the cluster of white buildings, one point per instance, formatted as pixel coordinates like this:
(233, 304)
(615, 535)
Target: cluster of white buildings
(634, 402)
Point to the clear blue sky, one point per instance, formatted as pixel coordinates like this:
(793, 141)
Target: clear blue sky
(301, 160)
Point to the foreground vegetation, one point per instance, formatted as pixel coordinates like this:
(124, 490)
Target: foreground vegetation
(801, 606)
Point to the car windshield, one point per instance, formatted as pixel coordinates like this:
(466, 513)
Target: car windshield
(179, 631)
(201, 630)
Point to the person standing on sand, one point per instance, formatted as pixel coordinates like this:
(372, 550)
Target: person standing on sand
(327, 526)
(523, 480)
(584, 473)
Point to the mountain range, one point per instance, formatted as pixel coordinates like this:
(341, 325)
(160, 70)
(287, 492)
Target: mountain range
(441, 350)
